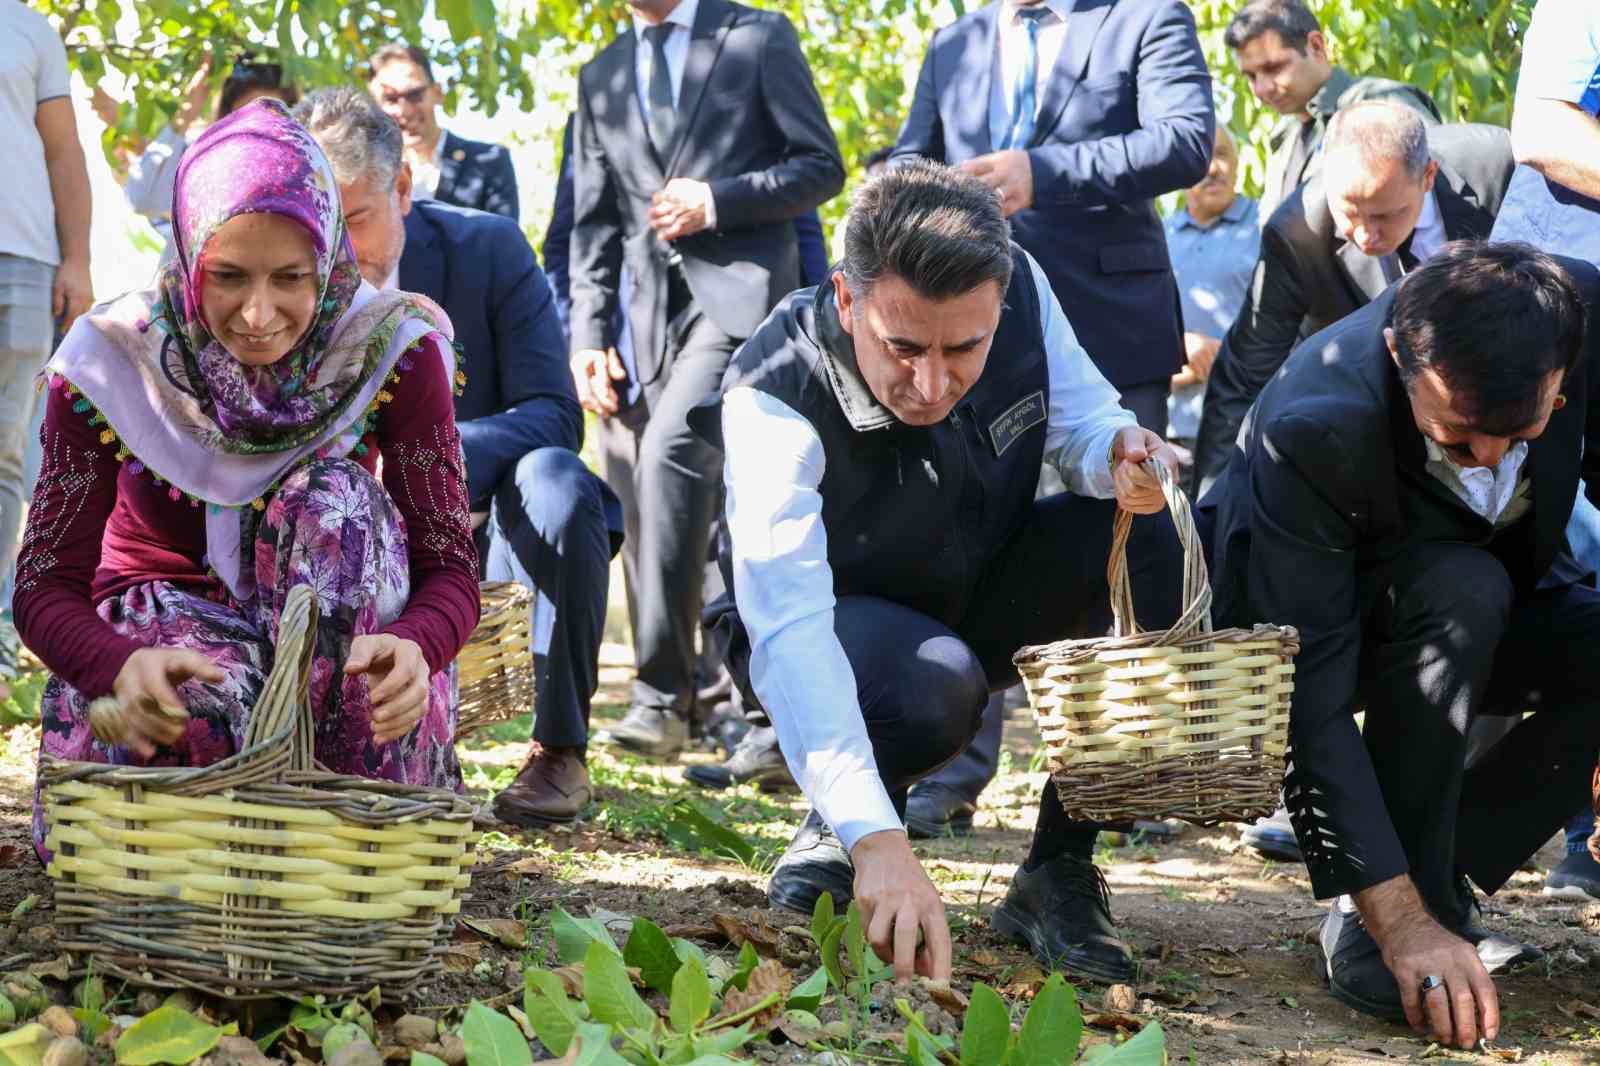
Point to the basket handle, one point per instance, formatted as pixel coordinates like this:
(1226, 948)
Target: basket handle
(1196, 616)
(282, 714)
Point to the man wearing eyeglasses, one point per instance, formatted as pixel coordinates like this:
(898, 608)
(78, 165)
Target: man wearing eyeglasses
(444, 166)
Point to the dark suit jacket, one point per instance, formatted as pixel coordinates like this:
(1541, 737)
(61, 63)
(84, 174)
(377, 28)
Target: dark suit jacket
(1308, 277)
(557, 248)
(1126, 116)
(750, 124)
(1329, 483)
(519, 393)
(476, 175)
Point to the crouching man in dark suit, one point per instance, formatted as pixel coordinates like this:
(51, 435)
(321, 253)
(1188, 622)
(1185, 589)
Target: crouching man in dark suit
(543, 518)
(1401, 493)
(885, 554)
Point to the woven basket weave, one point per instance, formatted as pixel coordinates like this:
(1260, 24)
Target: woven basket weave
(1188, 723)
(496, 666)
(263, 874)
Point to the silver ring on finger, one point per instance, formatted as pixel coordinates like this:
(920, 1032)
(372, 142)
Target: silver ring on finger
(1430, 982)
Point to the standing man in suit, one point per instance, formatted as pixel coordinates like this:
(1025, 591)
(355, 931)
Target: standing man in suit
(444, 166)
(1391, 193)
(1280, 49)
(1079, 113)
(541, 517)
(700, 138)
(1401, 495)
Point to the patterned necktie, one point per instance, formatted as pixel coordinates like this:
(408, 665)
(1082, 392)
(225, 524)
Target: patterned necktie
(660, 116)
(1023, 100)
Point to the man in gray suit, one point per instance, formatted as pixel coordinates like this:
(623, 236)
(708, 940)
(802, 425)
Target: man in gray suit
(699, 139)
(1280, 49)
(1391, 193)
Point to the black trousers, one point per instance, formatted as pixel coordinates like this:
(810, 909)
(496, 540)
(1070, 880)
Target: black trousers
(1448, 637)
(923, 685)
(670, 482)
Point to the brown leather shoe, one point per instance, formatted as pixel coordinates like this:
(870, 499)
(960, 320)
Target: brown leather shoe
(551, 789)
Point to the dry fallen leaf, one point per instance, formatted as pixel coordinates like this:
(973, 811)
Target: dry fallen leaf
(985, 957)
(1113, 1020)
(766, 979)
(1025, 982)
(508, 932)
(1223, 970)
(1577, 1008)
(456, 961)
(951, 999)
(571, 979)
(756, 932)
(1507, 1054)
(799, 1028)
(60, 968)
(518, 1016)
(695, 931)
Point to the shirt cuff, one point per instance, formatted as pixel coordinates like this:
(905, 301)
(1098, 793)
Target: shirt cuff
(858, 805)
(1097, 479)
(711, 207)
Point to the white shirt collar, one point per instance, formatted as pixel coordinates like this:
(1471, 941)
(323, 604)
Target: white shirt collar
(682, 15)
(1062, 9)
(1428, 236)
(392, 282)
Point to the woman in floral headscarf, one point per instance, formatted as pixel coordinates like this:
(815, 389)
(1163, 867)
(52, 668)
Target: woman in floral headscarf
(212, 443)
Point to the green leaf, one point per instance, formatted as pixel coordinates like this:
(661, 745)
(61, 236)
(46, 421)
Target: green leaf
(650, 950)
(691, 997)
(309, 1018)
(1052, 1028)
(687, 826)
(986, 1029)
(25, 1046)
(1147, 1048)
(610, 994)
(855, 941)
(574, 935)
(94, 1023)
(492, 1039)
(744, 966)
(822, 918)
(166, 1035)
(830, 955)
(923, 1048)
(594, 1047)
(457, 15)
(553, 1016)
(808, 996)
(422, 1058)
(723, 1041)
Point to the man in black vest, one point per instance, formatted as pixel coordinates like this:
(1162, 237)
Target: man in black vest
(1401, 494)
(886, 556)
(1391, 191)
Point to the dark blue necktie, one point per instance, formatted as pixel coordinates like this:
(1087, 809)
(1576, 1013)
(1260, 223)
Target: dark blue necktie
(660, 117)
(1024, 100)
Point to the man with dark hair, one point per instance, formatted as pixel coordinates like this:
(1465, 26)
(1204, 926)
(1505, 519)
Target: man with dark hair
(1391, 192)
(700, 140)
(886, 555)
(1079, 116)
(541, 517)
(1281, 50)
(1401, 494)
(444, 166)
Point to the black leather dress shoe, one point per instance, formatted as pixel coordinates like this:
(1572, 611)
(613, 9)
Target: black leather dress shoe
(1062, 911)
(1355, 969)
(816, 862)
(1498, 953)
(934, 811)
(756, 760)
(649, 731)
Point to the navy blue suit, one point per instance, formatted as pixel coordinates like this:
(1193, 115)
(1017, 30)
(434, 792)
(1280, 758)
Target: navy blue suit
(478, 175)
(1125, 115)
(550, 519)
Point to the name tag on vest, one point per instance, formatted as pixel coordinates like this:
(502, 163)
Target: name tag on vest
(1017, 420)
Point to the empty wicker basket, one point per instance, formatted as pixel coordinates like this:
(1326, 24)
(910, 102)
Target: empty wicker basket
(263, 874)
(1188, 723)
(496, 666)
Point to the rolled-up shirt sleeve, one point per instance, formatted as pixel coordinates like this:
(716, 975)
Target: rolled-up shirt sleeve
(1561, 54)
(1084, 410)
(783, 588)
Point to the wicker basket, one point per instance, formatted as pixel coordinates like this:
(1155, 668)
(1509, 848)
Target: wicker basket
(263, 874)
(496, 666)
(1188, 723)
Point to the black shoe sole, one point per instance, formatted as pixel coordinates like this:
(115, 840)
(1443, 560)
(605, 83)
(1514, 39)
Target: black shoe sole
(927, 829)
(1024, 929)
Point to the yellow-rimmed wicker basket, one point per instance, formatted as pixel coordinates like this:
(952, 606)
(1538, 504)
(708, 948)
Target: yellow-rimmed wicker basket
(263, 874)
(495, 669)
(1188, 723)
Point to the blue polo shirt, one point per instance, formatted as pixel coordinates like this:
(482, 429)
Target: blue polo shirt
(1213, 265)
(1560, 61)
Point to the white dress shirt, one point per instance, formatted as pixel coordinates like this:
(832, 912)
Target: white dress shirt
(677, 52)
(1501, 493)
(425, 170)
(1012, 53)
(784, 586)
(1428, 236)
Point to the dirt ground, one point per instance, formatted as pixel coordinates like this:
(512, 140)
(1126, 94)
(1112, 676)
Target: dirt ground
(1225, 940)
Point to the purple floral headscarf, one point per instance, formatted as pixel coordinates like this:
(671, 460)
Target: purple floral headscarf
(179, 404)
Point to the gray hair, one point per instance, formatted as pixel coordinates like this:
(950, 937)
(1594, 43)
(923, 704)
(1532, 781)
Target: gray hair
(358, 138)
(1379, 130)
(938, 229)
